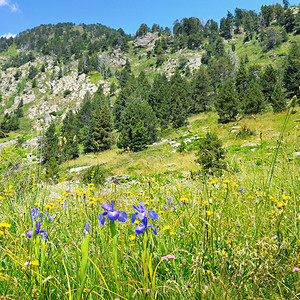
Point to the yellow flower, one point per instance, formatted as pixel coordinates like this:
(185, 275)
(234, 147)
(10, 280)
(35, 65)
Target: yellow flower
(48, 206)
(281, 204)
(1, 232)
(284, 197)
(167, 227)
(132, 237)
(212, 182)
(235, 185)
(34, 263)
(209, 213)
(226, 181)
(5, 225)
(172, 233)
(136, 222)
(161, 212)
(146, 203)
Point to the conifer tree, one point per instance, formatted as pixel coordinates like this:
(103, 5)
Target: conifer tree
(201, 91)
(50, 144)
(268, 82)
(102, 131)
(278, 100)
(291, 72)
(253, 101)
(227, 102)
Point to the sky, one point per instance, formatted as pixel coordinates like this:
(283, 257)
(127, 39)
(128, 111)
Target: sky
(19, 15)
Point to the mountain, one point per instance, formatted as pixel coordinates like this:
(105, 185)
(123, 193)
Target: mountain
(51, 70)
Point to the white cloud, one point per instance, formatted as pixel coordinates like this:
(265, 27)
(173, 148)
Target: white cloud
(3, 3)
(8, 35)
(13, 7)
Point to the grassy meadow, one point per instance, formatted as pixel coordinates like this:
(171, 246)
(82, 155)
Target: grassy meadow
(167, 233)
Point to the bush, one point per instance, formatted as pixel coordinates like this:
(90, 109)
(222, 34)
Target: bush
(211, 154)
(94, 174)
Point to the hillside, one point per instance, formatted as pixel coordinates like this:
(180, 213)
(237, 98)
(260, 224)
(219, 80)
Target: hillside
(163, 165)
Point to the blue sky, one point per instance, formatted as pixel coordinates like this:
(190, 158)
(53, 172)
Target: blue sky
(19, 15)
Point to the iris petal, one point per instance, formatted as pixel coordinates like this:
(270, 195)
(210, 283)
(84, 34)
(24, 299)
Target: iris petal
(122, 216)
(133, 217)
(140, 228)
(37, 227)
(142, 206)
(153, 228)
(101, 218)
(142, 215)
(106, 206)
(113, 215)
(153, 215)
(137, 208)
(29, 233)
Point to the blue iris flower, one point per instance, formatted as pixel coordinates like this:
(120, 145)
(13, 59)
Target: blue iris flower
(35, 214)
(38, 230)
(170, 203)
(86, 229)
(142, 215)
(111, 213)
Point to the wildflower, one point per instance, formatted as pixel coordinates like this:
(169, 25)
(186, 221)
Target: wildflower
(281, 204)
(4, 225)
(171, 257)
(167, 227)
(44, 233)
(227, 181)
(209, 213)
(172, 233)
(296, 270)
(111, 213)
(34, 263)
(35, 214)
(142, 213)
(131, 237)
(164, 258)
(140, 229)
(239, 275)
(212, 182)
(86, 229)
(169, 203)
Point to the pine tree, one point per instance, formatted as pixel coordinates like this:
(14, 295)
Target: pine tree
(291, 72)
(140, 137)
(201, 91)
(50, 144)
(125, 74)
(227, 102)
(253, 102)
(268, 82)
(278, 100)
(102, 134)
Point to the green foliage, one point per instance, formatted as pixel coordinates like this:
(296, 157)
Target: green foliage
(94, 174)
(52, 170)
(227, 103)
(278, 99)
(49, 144)
(138, 126)
(211, 154)
(291, 71)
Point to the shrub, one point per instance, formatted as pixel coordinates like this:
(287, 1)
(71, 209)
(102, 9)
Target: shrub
(211, 154)
(94, 174)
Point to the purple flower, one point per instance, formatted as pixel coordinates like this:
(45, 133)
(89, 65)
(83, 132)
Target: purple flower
(86, 229)
(142, 215)
(171, 257)
(296, 270)
(35, 214)
(239, 275)
(164, 258)
(38, 230)
(111, 213)
(140, 229)
(169, 203)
